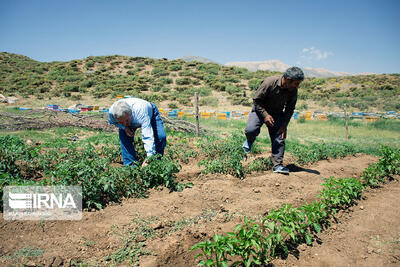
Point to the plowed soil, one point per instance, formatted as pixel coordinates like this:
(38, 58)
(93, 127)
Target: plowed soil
(175, 221)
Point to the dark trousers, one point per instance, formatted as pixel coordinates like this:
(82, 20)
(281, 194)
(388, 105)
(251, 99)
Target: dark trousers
(253, 128)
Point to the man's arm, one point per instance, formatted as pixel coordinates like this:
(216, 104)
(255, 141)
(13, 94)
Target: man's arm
(259, 98)
(147, 130)
(289, 109)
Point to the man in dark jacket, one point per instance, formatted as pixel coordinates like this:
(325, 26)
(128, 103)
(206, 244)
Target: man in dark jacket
(274, 104)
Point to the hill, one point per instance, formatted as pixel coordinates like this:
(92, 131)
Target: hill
(172, 83)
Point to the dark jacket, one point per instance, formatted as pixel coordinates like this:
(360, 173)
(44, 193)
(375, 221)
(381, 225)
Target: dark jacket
(271, 98)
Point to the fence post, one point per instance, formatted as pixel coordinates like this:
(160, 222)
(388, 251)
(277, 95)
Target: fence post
(347, 122)
(196, 105)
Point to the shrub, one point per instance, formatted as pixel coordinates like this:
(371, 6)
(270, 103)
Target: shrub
(183, 81)
(208, 101)
(89, 64)
(157, 72)
(175, 67)
(254, 84)
(172, 105)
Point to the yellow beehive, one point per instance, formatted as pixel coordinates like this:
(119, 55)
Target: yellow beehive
(161, 110)
(181, 113)
(205, 115)
(371, 118)
(307, 115)
(246, 113)
(222, 116)
(322, 117)
(120, 96)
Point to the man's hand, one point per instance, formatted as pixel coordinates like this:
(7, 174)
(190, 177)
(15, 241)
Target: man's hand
(282, 130)
(269, 121)
(129, 132)
(144, 164)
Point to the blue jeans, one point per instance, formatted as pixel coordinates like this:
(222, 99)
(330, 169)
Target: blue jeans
(160, 139)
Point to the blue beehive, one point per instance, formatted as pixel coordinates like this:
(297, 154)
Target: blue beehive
(172, 114)
(228, 114)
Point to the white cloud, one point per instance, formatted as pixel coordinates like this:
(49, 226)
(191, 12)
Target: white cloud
(313, 53)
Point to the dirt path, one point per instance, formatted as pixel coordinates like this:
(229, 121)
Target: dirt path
(170, 223)
(369, 235)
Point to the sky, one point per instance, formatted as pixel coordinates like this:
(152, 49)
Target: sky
(353, 36)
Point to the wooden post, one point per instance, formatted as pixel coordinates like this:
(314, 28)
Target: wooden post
(346, 123)
(196, 105)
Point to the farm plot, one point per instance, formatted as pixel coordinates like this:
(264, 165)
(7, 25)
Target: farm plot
(190, 204)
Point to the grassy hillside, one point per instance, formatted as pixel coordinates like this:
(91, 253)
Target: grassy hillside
(173, 83)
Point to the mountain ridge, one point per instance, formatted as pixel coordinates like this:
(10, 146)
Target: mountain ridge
(277, 65)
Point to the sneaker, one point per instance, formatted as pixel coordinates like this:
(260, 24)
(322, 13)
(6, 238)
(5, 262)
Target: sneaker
(247, 147)
(281, 169)
(246, 150)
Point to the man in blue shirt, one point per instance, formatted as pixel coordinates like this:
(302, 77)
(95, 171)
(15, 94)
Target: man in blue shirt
(130, 114)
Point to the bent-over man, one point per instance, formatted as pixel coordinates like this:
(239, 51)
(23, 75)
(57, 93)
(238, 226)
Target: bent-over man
(129, 114)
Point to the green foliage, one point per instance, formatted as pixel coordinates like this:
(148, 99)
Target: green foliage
(84, 166)
(231, 89)
(208, 101)
(257, 244)
(183, 81)
(260, 164)
(22, 75)
(302, 106)
(175, 67)
(172, 105)
(320, 151)
(158, 72)
(224, 157)
(387, 166)
(340, 193)
(89, 64)
(254, 84)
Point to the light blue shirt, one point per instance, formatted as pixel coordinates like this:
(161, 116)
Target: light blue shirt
(142, 112)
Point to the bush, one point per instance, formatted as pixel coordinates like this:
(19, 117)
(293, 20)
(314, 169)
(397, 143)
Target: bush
(231, 89)
(164, 80)
(175, 67)
(89, 64)
(254, 84)
(183, 81)
(208, 101)
(157, 72)
(172, 105)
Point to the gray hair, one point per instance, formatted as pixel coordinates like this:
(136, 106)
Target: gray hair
(294, 73)
(119, 108)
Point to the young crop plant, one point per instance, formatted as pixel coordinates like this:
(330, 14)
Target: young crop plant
(340, 193)
(387, 166)
(82, 164)
(283, 223)
(249, 242)
(319, 151)
(287, 226)
(259, 164)
(223, 156)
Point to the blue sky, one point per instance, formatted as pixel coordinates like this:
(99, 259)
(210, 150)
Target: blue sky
(352, 36)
